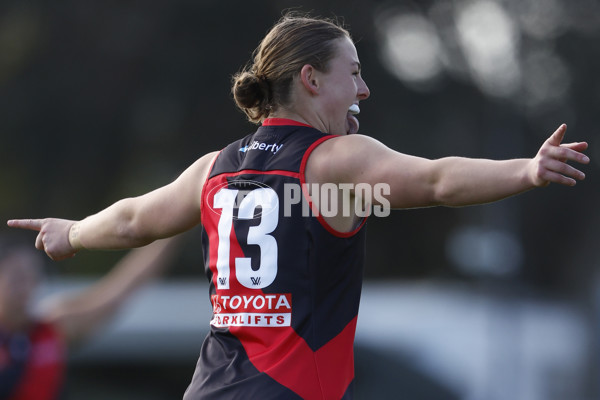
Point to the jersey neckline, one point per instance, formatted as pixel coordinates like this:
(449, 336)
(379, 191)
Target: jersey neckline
(283, 121)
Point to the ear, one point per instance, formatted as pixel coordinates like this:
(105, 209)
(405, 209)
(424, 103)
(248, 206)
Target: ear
(308, 77)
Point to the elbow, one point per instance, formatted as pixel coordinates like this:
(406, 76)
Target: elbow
(131, 234)
(130, 231)
(442, 196)
(445, 195)
(444, 187)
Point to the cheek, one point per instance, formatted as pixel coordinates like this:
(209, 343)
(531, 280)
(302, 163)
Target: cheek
(341, 89)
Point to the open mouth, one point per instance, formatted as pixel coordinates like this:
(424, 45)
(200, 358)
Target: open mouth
(352, 121)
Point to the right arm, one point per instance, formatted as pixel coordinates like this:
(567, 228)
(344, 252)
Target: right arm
(131, 222)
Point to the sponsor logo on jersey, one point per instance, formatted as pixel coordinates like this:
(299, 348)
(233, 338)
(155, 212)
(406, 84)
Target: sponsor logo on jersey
(256, 145)
(260, 310)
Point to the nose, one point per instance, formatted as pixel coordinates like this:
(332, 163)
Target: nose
(363, 90)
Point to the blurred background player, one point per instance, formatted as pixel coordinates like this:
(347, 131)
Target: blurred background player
(33, 346)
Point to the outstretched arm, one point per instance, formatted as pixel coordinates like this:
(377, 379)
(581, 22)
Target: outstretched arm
(131, 222)
(79, 315)
(450, 181)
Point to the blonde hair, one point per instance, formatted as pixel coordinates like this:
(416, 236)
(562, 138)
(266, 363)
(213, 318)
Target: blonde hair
(293, 42)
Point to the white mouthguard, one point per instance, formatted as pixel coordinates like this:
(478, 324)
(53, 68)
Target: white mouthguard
(354, 109)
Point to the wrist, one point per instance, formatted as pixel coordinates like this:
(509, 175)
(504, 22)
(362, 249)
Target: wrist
(75, 237)
(534, 174)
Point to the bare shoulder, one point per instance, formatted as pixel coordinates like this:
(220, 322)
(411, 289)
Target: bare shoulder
(342, 158)
(203, 164)
(198, 171)
(351, 142)
(187, 188)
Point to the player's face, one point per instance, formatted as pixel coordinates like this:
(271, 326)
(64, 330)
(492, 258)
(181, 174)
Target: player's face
(343, 88)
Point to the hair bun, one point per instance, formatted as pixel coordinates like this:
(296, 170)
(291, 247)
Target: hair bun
(252, 94)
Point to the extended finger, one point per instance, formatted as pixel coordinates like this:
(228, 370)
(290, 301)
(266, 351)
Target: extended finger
(565, 170)
(565, 152)
(577, 146)
(558, 135)
(32, 224)
(39, 244)
(555, 177)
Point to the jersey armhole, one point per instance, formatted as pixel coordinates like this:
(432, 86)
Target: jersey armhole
(314, 209)
(203, 195)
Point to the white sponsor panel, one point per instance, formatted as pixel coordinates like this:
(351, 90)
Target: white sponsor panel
(260, 310)
(251, 319)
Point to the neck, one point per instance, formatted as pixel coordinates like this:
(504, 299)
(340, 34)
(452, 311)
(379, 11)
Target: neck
(299, 117)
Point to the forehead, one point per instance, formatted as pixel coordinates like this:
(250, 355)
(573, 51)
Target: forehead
(346, 52)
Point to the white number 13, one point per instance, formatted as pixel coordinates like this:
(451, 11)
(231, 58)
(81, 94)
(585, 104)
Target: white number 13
(267, 199)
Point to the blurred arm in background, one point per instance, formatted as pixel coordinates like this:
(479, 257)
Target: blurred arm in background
(78, 315)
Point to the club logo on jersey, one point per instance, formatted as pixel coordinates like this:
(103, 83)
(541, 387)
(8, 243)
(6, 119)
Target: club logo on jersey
(259, 310)
(256, 145)
(242, 193)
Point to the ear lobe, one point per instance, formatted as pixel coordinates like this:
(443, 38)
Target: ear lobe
(309, 79)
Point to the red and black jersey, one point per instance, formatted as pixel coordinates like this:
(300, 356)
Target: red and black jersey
(32, 364)
(284, 286)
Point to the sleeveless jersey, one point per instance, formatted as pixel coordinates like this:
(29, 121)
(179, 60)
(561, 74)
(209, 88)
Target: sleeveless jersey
(284, 286)
(32, 366)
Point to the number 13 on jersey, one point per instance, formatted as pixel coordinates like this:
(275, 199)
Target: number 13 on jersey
(266, 198)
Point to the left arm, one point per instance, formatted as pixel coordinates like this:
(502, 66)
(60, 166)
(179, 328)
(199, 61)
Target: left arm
(449, 181)
(464, 181)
